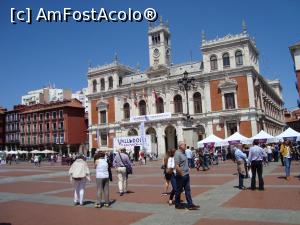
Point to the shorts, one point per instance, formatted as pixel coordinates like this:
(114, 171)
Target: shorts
(168, 176)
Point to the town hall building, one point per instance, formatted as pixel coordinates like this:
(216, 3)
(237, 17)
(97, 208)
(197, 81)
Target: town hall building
(227, 93)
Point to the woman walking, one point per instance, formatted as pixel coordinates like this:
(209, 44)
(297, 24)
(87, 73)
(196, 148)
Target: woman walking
(170, 171)
(102, 179)
(79, 173)
(285, 150)
(167, 176)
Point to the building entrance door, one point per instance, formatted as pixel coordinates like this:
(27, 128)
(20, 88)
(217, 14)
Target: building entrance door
(170, 137)
(151, 131)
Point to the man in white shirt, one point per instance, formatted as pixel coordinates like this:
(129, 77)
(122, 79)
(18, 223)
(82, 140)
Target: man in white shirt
(189, 155)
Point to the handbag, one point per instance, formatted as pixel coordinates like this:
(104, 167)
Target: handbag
(128, 167)
(169, 171)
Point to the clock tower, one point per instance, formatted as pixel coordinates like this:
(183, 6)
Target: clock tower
(159, 45)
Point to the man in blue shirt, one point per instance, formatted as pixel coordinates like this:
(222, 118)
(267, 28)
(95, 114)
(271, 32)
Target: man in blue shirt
(255, 157)
(240, 158)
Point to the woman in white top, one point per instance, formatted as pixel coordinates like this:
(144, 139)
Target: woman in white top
(170, 169)
(79, 172)
(102, 179)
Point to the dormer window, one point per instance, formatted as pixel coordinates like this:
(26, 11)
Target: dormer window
(238, 58)
(213, 62)
(226, 61)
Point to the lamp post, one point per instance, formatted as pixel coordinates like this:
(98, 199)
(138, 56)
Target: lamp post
(186, 84)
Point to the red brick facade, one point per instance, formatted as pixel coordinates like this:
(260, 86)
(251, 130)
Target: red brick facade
(56, 125)
(245, 128)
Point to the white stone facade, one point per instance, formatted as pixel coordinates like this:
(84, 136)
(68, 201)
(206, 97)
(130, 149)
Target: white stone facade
(81, 96)
(226, 99)
(45, 95)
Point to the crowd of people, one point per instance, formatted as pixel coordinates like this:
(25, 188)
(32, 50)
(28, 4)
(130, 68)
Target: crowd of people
(103, 162)
(250, 162)
(176, 166)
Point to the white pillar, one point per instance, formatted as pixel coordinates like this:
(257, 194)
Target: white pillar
(250, 91)
(160, 132)
(207, 97)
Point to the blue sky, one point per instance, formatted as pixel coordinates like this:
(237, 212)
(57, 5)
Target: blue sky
(33, 55)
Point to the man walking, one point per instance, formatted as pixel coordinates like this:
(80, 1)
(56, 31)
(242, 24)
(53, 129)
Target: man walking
(240, 158)
(256, 155)
(183, 178)
(121, 161)
(189, 155)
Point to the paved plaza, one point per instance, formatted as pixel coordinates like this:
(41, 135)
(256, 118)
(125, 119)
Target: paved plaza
(43, 195)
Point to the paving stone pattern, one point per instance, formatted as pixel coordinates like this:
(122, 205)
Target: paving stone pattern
(43, 195)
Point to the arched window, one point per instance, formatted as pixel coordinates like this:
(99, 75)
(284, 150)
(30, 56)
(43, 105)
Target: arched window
(102, 84)
(226, 61)
(178, 104)
(132, 132)
(110, 83)
(142, 107)
(126, 109)
(213, 62)
(197, 102)
(238, 58)
(94, 86)
(159, 105)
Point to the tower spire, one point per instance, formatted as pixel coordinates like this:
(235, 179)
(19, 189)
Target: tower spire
(203, 36)
(116, 57)
(244, 26)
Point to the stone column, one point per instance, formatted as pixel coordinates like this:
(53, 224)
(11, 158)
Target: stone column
(68, 147)
(161, 145)
(179, 131)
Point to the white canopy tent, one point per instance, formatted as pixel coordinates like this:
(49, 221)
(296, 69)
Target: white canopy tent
(264, 137)
(36, 151)
(211, 140)
(12, 152)
(22, 152)
(289, 133)
(237, 138)
(48, 151)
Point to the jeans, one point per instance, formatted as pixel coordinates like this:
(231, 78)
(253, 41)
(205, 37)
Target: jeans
(276, 156)
(256, 166)
(270, 156)
(287, 166)
(173, 182)
(241, 180)
(183, 182)
(102, 189)
(79, 186)
(191, 163)
(205, 162)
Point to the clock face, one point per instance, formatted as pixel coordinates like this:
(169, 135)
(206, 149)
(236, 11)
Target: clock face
(156, 53)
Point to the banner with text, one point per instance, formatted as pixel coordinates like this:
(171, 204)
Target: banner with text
(131, 141)
(151, 117)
